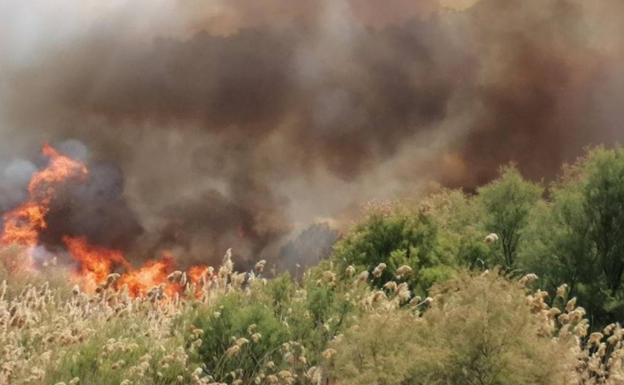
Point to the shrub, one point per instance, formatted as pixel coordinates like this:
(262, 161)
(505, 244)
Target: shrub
(578, 237)
(123, 349)
(397, 237)
(238, 336)
(479, 330)
(280, 325)
(506, 204)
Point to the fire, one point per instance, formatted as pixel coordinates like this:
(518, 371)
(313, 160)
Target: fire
(152, 274)
(95, 263)
(97, 267)
(196, 273)
(23, 224)
(61, 168)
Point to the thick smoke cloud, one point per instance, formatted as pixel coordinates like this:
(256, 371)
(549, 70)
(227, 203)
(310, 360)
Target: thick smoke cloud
(95, 209)
(233, 123)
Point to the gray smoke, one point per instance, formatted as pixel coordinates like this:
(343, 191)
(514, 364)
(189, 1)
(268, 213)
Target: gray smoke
(235, 123)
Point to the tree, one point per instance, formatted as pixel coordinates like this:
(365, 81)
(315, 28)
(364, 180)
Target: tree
(604, 208)
(458, 217)
(395, 237)
(507, 202)
(579, 235)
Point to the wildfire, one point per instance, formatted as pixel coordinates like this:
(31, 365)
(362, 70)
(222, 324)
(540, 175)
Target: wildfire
(97, 266)
(150, 275)
(23, 224)
(95, 263)
(196, 273)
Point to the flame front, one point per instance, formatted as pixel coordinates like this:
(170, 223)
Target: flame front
(23, 225)
(150, 275)
(95, 263)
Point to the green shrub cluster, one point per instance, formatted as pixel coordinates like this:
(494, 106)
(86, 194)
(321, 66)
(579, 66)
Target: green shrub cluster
(572, 231)
(280, 325)
(396, 237)
(478, 330)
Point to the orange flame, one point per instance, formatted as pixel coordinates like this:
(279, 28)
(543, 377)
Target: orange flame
(195, 273)
(23, 225)
(96, 263)
(152, 274)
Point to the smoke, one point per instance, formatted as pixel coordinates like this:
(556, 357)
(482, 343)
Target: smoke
(234, 123)
(308, 248)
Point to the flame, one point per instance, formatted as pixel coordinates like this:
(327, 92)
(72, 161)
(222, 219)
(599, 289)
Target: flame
(42, 186)
(23, 224)
(196, 273)
(95, 264)
(150, 275)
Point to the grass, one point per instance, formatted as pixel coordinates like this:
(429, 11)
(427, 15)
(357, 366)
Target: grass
(331, 327)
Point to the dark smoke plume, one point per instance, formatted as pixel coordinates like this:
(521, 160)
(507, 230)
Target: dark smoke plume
(235, 124)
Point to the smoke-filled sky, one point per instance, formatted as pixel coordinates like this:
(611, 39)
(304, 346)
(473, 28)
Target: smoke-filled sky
(232, 123)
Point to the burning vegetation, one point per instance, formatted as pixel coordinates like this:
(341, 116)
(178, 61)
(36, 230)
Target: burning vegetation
(419, 295)
(96, 267)
(180, 130)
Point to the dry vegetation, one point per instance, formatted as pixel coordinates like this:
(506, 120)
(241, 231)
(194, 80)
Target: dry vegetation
(438, 294)
(330, 328)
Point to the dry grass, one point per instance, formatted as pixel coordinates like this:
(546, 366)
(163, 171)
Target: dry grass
(50, 334)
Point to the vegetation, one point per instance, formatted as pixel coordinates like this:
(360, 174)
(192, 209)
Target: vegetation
(323, 330)
(396, 238)
(463, 338)
(506, 205)
(577, 235)
(442, 292)
(571, 232)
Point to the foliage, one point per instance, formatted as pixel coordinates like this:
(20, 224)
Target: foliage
(458, 219)
(579, 235)
(506, 204)
(464, 338)
(396, 237)
(238, 335)
(326, 329)
(280, 325)
(123, 351)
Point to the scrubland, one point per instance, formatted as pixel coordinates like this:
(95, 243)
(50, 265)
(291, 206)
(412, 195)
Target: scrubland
(517, 283)
(330, 328)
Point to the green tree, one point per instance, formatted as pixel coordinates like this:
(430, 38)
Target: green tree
(396, 237)
(507, 202)
(579, 236)
(457, 218)
(604, 208)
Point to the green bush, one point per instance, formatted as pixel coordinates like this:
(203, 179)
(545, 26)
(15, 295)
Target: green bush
(478, 330)
(278, 325)
(396, 238)
(578, 236)
(236, 321)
